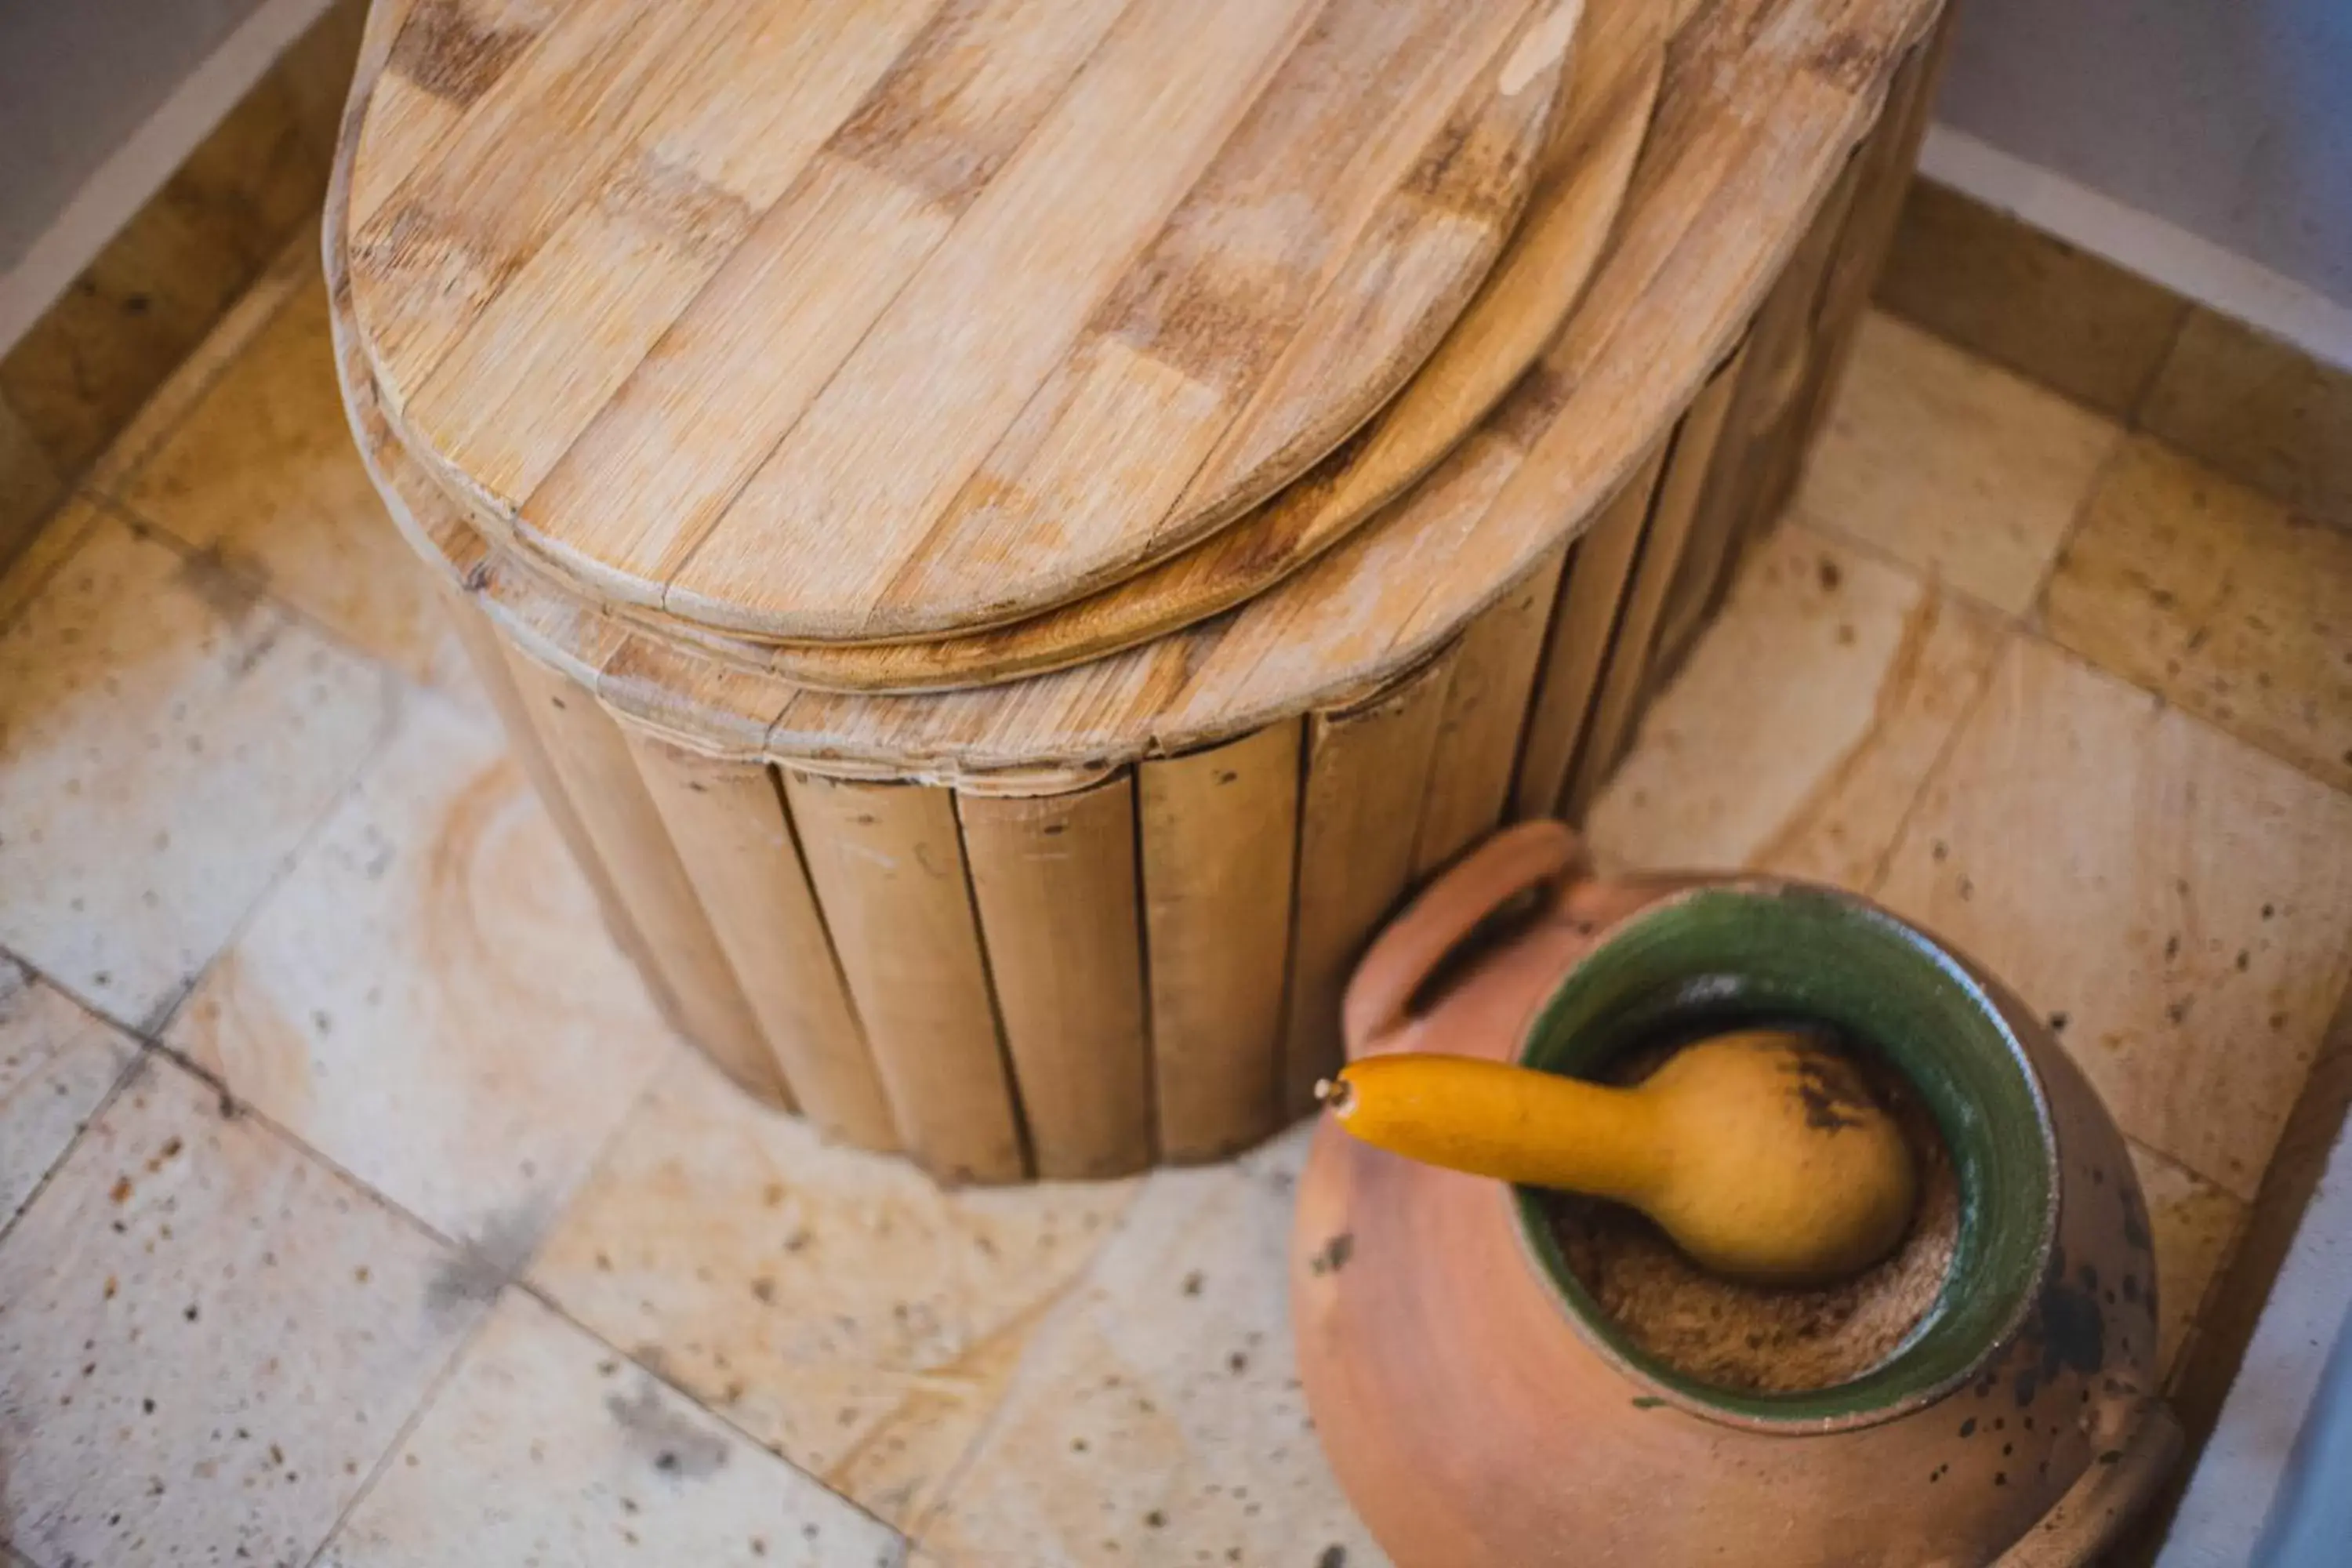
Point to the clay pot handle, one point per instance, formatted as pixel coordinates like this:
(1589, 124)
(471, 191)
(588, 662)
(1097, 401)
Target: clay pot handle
(1448, 910)
(2092, 1512)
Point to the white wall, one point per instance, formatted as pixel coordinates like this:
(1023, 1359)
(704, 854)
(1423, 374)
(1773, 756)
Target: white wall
(2206, 144)
(100, 101)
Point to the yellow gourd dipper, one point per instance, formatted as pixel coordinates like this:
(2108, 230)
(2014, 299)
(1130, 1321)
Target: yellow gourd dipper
(1761, 1153)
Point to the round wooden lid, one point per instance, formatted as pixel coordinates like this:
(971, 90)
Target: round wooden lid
(1519, 307)
(824, 320)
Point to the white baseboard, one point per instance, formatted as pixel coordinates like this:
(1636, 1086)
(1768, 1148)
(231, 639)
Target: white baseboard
(2236, 1482)
(2157, 250)
(136, 169)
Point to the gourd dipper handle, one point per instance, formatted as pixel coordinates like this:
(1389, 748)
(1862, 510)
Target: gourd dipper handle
(1512, 862)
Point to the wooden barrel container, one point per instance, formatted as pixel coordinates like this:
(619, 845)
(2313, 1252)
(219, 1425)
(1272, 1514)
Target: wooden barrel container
(1071, 920)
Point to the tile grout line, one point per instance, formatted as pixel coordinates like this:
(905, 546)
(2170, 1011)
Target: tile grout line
(1057, 1312)
(38, 584)
(524, 1285)
(548, 1301)
(239, 325)
(522, 1281)
(1872, 549)
(435, 1387)
(140, 1062)
(2036, 618)
(219, 350)
(1884, 863)
(2017, 636)
(2135, 417)
(151, 1050)
(2164, 704)
(115, 464)
(263, 588)
(388, 728)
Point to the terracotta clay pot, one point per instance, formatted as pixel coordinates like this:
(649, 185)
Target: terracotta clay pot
(1481, 1413)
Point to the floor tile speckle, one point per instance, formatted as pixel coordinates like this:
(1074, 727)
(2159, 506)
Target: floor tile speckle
(262, 475)
(833, 1304)
(57, 1063)
(543, 1448)
(2219, 597)
(166, 738)
(1159, 1421)
(206, 1339)
(2183, 900)
(1958, 468)
(1804, 723)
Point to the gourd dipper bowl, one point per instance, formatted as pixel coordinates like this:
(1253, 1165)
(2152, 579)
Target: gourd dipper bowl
(1481, 1412)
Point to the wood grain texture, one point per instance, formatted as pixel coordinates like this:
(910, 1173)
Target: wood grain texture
(1600, 565)
(1881, 173)
(1065, 284)
(1753, 125)
(1220, 852)
(1054, 879)
(1551, 255)
(586, 751)
(727, 821)
(1486, 700)
(1766, 402)
(486, 655)
(556, 342)
(888, 870)
(1631, 663)
(684, 430)
(1367, 772)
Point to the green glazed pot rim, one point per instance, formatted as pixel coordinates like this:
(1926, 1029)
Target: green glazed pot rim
(1753, 949)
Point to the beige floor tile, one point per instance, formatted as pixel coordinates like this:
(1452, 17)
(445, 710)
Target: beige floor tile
(429, 998)
(294, 266)
(836, 1305)
(2259, 410)
(29, 484)
(546, 1449)
(207, 1339)
(2219, 597)
(165, 740)
(2000, 288)
(56, 1062)
(61, 533)
(1801, 729)
(2195, 1225)
(1160, 1420)
(1951, 464)
(2183, 900)
(262, 472)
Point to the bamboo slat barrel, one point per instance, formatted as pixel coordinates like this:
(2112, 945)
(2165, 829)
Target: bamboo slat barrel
(1033, 833)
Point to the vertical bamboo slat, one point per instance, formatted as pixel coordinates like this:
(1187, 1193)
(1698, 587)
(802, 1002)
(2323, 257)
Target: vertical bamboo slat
(488, 658)
(1592, 589)
(727, 820)
(1219, 847)
(1367, 768)
(1883, 171)
(1770, 389)
(1485, 711)
(888, 870)
(1054, 879)
(585, 747)
(1627, 679)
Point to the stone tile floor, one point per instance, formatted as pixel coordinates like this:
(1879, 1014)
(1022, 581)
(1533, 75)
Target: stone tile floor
(355, 1207)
